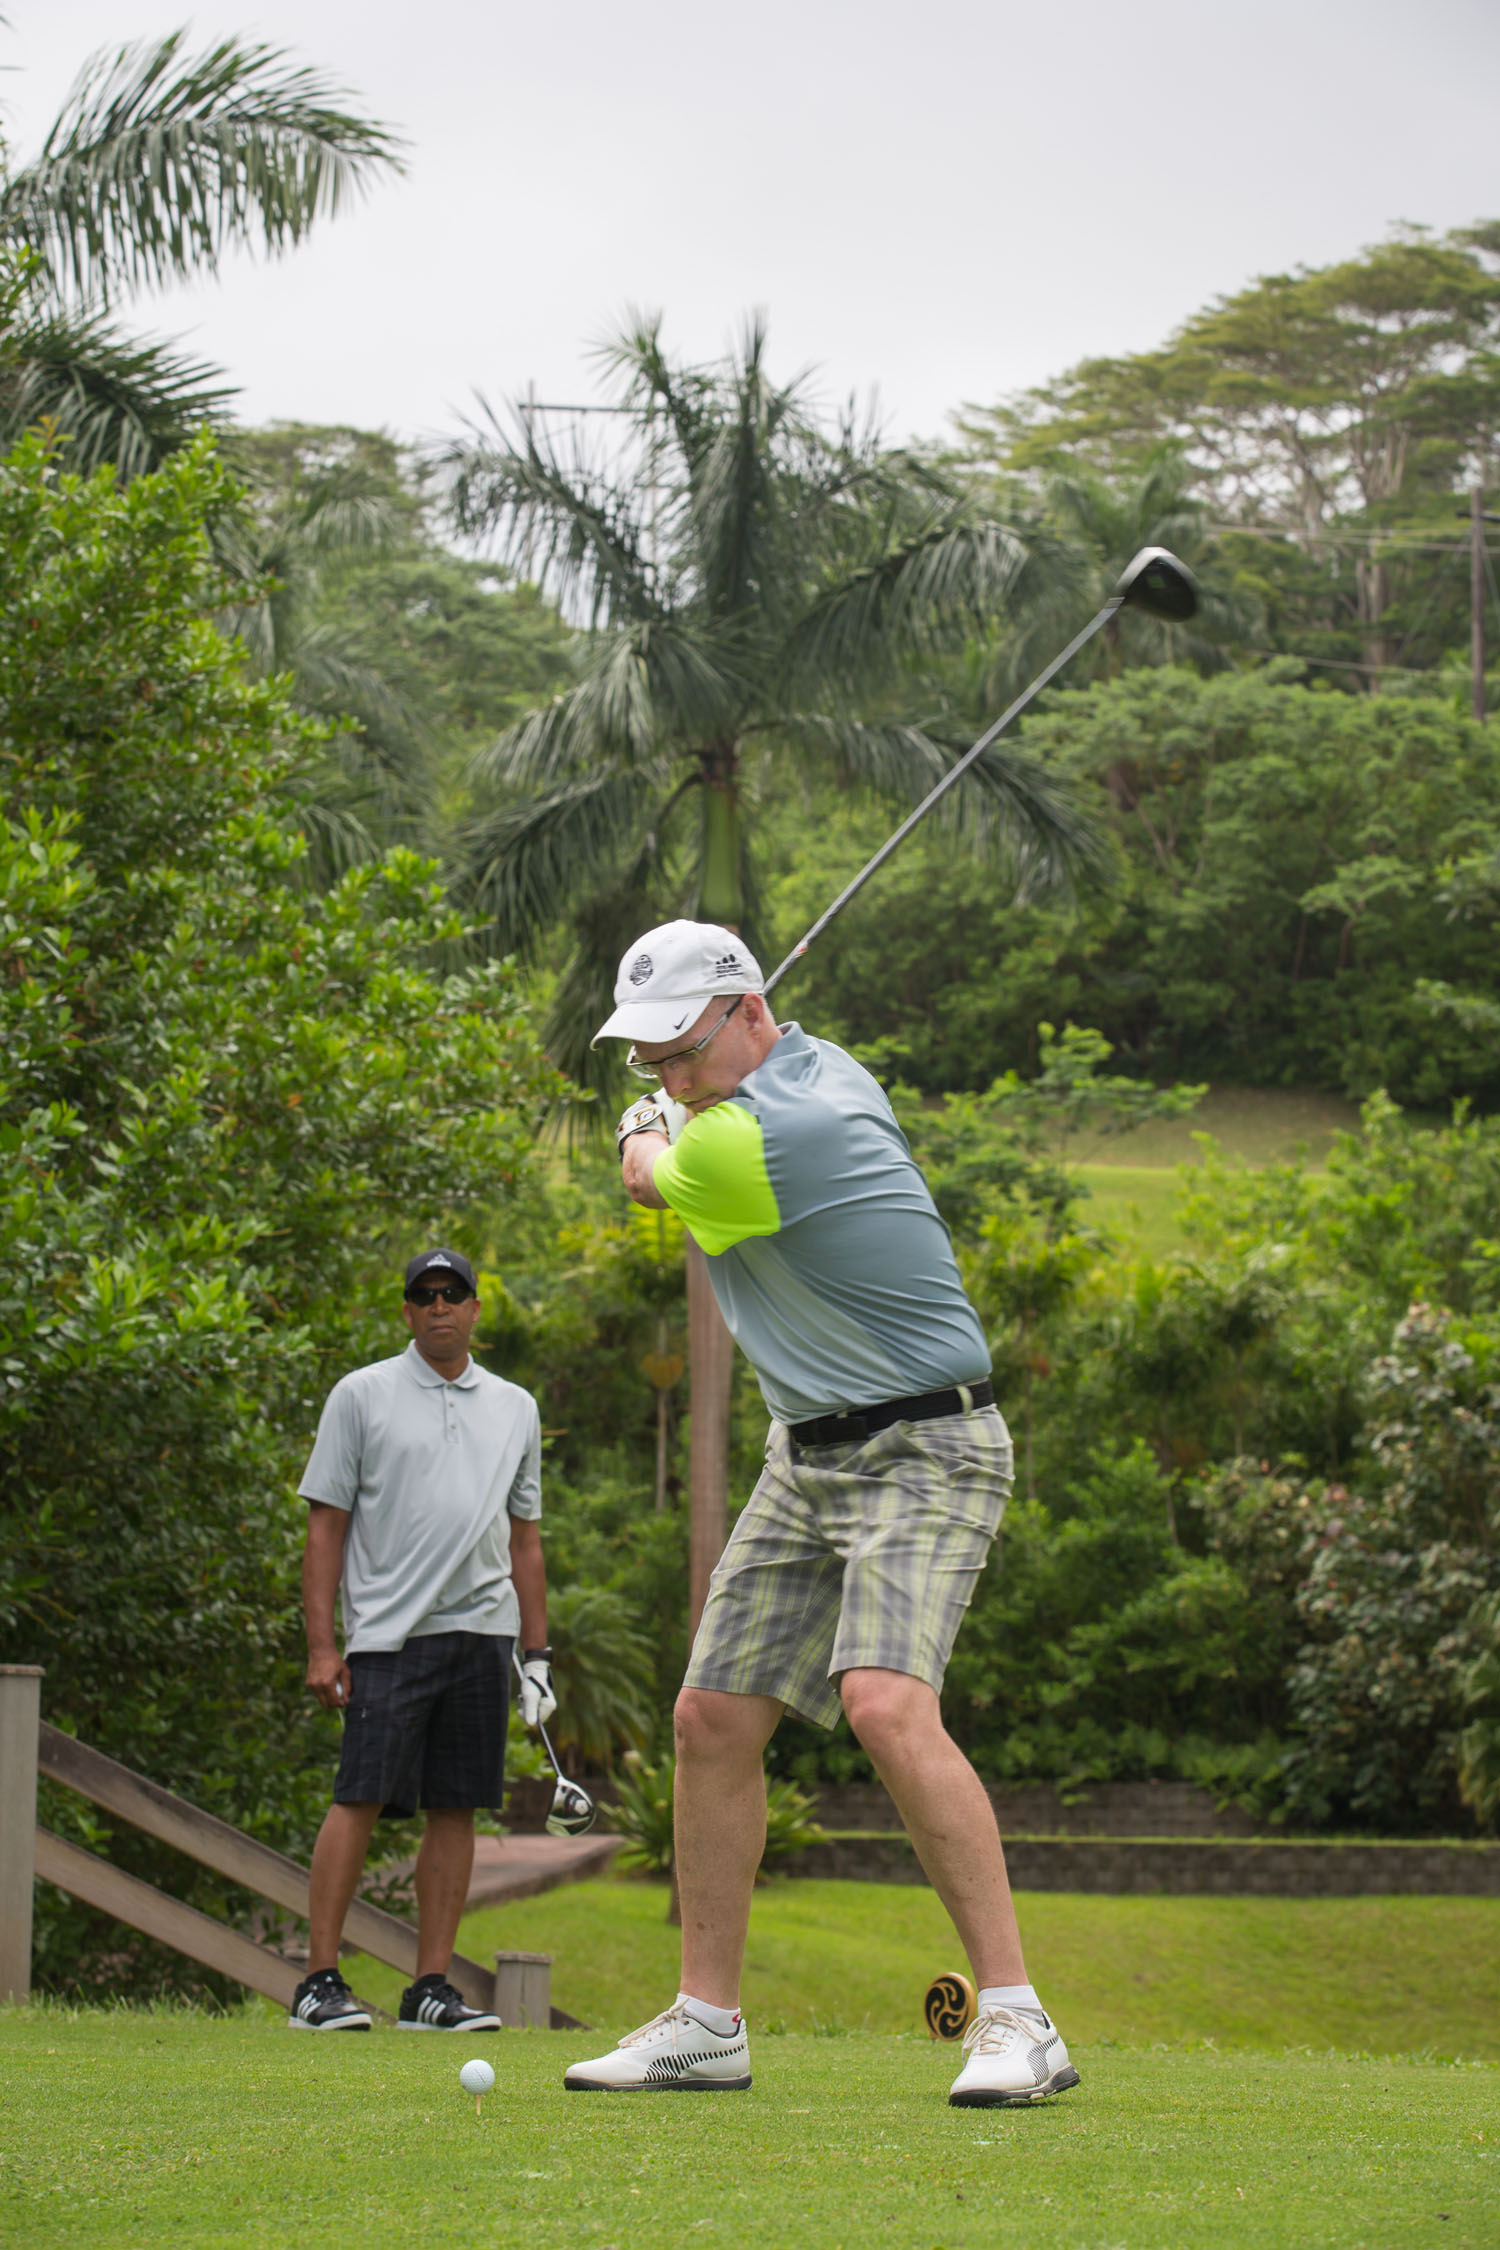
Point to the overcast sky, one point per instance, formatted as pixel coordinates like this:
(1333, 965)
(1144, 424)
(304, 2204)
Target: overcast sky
(941, 201)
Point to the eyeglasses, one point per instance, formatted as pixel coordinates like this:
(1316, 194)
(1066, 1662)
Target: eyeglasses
(451, 1292)
(651, 1072)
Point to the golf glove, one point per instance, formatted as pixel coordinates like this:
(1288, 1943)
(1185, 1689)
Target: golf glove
(537, 1699)
(653, 1113)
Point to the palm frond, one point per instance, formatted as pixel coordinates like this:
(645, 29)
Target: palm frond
(609, 920)
(331, 679)
(954, 575)
(643, 690)
(1004, 805)
(550, 516)
(524, 864)
(125, 402)
(161, 161)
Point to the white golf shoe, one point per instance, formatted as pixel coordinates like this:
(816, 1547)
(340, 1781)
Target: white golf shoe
(674, 2053)
(1014, 2057)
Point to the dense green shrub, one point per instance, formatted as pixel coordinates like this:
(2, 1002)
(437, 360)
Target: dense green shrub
(227, 1109)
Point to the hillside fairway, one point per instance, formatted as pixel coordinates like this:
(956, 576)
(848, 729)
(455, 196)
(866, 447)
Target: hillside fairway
(1133, 1181)
(152, 2128)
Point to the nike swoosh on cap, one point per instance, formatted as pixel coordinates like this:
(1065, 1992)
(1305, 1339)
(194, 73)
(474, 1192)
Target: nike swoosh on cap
(681, 1020)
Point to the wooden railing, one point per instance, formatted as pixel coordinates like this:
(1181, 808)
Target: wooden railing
(28, 1745)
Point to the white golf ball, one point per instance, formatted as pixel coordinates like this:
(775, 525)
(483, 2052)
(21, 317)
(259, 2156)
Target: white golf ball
(476, 2077)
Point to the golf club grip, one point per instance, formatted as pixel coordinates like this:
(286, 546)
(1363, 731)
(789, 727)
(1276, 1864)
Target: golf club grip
(557, 1772)
(991, 733)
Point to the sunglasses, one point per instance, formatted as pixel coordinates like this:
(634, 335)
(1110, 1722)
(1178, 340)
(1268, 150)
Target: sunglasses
(451, 1292)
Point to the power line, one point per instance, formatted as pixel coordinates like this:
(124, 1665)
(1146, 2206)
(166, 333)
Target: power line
(1343, 538)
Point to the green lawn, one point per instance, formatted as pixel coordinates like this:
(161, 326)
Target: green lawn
(148, 2129)
(1261, 1124)
(1133, 1181)
(1138, 1204)
(1376, 1975)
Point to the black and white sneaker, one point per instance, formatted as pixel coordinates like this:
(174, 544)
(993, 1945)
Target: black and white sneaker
(1016, 2056)
(323, 2002)
(433, 2004)
(673, 2053)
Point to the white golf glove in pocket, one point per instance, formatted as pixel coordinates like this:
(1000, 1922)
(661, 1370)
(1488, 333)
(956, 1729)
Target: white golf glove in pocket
(537, 1699)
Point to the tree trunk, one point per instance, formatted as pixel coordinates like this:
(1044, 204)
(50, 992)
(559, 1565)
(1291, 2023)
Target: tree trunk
(710, 1370)
(721, 889)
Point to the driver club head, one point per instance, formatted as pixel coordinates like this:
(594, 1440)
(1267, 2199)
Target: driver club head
(1158, 583)
(572, 1811)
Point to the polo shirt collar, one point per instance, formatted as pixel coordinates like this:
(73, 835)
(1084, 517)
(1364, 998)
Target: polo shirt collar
(422, 1372)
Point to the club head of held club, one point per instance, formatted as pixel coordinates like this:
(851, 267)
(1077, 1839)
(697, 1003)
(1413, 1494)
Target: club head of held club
(1158, 583)
(573, 1810)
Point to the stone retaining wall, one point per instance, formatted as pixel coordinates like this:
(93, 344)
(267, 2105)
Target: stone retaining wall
(1266, 1867)
(1117, 1808)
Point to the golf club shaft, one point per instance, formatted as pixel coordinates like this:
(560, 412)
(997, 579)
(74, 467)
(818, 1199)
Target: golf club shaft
(954, 774)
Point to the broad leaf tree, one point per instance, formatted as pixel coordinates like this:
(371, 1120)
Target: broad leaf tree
(1332, 411)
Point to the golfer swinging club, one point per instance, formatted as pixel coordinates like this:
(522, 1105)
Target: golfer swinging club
(887, 1472)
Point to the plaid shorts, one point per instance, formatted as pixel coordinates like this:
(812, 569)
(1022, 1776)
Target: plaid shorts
(849, 1555)
(426, 1724)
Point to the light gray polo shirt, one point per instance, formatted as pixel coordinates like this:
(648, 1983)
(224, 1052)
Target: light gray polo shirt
(827, 1255)
(431, 1473)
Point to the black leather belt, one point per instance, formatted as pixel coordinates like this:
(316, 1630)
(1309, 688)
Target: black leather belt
(849, 1429)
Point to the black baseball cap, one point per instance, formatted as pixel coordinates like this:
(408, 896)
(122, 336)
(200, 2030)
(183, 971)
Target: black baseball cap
(440, 1261)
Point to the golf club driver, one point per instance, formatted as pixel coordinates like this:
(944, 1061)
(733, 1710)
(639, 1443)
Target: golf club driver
(573, 1811)
(1154, 581)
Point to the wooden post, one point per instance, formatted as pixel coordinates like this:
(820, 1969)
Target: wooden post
(711, 1371)
(523, 1990)
(20, 1727)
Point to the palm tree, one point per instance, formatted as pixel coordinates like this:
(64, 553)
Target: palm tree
(159, 164)
(757, 589)
(1101, 523)
(315, 505)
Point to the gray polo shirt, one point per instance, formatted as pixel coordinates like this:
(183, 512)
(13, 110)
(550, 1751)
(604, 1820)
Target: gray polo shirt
(826, 1252)
(431, 1473)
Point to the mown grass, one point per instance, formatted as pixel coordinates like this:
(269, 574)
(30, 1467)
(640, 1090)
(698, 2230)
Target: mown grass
(1137, 1203)
(1258, 1124)
(1378, 1975)
(1133, 1181)
(123, 2129)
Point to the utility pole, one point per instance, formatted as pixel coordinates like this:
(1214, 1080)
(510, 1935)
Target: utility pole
(1476, 596)
(1477, 574)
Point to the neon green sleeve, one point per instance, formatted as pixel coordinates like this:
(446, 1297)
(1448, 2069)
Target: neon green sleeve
(714, 1177)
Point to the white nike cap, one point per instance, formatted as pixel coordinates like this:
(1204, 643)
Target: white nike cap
(668, 974)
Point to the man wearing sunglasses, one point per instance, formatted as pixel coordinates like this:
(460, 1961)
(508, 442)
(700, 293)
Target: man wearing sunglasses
(887, 1470)
(424, 1500)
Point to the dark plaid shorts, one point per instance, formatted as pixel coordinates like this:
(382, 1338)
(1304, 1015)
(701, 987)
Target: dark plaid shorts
(426, 1725)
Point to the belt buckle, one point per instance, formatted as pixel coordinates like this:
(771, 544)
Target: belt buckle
(856, 1429)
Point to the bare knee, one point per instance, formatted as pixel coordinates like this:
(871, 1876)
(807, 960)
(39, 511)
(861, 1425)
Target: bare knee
(891, 1713)
(708, 1724)
(450, 1820)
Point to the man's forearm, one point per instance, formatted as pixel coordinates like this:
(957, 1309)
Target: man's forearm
(529, 1575)
(637, 1163)
(322, 1568)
